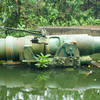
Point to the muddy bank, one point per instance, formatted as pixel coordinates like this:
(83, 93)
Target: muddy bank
(91, 30)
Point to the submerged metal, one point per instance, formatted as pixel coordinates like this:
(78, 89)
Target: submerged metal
(65, 48)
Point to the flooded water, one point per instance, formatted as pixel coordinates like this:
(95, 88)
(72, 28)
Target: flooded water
(25, 83)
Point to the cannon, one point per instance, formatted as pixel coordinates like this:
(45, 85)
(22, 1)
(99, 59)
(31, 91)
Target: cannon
(64, 50)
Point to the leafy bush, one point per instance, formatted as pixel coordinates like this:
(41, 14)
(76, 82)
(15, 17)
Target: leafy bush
(42, 60)
(33, 13)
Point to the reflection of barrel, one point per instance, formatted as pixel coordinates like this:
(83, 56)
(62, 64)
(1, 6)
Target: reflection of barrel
(11, 47)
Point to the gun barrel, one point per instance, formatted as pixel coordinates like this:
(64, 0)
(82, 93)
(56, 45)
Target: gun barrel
(86, 44)
(11, 47)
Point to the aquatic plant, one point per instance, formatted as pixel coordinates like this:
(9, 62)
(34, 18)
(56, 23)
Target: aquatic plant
(42, 60)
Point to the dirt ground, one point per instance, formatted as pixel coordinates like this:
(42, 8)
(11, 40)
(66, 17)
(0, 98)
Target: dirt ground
(90, 30)
(95, 27)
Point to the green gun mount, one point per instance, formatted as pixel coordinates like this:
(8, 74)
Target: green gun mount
(65, 50)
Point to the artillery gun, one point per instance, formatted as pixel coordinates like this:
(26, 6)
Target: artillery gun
(65, 50)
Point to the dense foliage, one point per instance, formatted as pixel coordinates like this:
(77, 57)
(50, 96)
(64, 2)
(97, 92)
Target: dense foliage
(33, 13)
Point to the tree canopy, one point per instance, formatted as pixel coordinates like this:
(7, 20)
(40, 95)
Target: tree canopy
(33, 13)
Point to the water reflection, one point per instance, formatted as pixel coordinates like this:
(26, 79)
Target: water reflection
(24, 83)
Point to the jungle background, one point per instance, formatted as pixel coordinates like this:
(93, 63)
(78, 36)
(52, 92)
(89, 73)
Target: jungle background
(30, 14)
